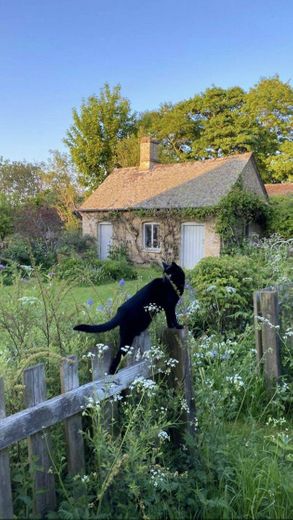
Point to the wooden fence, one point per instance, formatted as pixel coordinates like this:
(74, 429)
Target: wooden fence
(269, 305)
(41, 413)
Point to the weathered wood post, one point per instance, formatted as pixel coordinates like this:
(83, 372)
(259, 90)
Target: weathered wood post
(270, 335)
(6, 509)
(73, 425)
(266, 314)
(181, 377)
(140, 345)
(39, 446)
(258, 331)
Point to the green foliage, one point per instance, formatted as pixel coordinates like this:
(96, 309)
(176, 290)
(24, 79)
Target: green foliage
(119, 252)
(238, 209)
(281, 218)
(91, 270)
(224, 288)
(72, 242)
(102, 122)
(6, 217)
(118, 269)
(60, 187)
(20, 250)
(19, 181)
(220, 122)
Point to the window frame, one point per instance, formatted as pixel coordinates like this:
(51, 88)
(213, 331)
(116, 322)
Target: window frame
(145, 247)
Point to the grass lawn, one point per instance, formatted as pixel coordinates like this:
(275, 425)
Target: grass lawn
(100, 293)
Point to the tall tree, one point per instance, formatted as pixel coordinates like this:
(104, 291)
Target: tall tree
(60, 188)
(270, 104)
(19, 181)
(97, 128)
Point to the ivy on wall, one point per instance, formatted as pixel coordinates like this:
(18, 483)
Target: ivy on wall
(234, 211)
(240, 208)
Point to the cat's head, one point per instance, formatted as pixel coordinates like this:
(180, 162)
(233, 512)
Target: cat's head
(176, 274)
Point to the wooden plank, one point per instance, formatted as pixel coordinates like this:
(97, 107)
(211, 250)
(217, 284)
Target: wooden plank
(27, 422)
(270, 335)
(73, 425)
(257, 325)
(181, 377)
(44, 498)
(6, 508)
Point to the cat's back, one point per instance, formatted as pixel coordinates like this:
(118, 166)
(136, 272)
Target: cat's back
(150, 293)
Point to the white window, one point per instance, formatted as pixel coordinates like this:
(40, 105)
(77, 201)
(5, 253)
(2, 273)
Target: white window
(151, 236)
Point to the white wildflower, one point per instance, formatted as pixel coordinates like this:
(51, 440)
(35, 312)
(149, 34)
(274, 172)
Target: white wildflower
(28, 300)
(163, 436)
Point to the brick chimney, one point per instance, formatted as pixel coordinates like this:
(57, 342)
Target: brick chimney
(148, 153)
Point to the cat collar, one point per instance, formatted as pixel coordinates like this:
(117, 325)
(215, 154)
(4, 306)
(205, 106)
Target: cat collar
(173, 284)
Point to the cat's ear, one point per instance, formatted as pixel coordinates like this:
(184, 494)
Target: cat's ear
(165, 266)
(174, 263)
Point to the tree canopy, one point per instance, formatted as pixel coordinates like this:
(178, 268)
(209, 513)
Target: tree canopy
(217, 122)
(97, 128)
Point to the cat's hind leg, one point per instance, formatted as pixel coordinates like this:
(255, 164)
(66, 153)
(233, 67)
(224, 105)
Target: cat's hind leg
(126, 340)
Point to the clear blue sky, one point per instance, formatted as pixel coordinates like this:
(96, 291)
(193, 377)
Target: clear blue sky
(54, 53)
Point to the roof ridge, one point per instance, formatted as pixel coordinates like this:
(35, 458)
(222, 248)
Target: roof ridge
(181, 163)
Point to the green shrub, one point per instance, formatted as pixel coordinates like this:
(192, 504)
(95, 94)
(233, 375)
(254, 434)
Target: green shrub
(24, 252)
(80, 271)
(117, 269)
(281, 218)
(71, 242)
(224, 287)
(87, 271)
(119, 252)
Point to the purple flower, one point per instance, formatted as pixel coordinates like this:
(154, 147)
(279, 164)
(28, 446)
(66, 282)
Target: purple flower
(90, 301)
(121, 282)
(2, 267)
(100, 308)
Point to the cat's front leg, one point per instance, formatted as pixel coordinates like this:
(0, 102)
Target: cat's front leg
(171, 318)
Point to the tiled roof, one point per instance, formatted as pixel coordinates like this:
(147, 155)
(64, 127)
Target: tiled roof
(188, 184)
(279, 189)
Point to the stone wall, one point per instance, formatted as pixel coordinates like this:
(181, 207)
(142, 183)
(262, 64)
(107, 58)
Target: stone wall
(128, 230)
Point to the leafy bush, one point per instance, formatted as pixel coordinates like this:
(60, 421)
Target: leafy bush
(90, 270)
(238, 208)
(224, 287)
(281, 218)
(6, 217)
(71, 242)
(117, 269)
(22, 251)
(119, 252)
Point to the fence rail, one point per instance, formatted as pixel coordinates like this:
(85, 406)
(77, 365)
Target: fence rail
(41, 413)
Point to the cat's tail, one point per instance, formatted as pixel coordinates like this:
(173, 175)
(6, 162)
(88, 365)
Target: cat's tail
(103, 327)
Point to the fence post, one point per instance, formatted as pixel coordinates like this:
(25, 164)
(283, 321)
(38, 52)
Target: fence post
(181, 376)
(140, 345)
(6, 509)
(258, 332)
(100, 362)
(38, 445)
(73, 425)
(270, 329)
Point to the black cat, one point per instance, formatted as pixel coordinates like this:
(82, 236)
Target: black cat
(135, 315)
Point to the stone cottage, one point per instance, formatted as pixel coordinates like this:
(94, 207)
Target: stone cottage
(153, 209)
